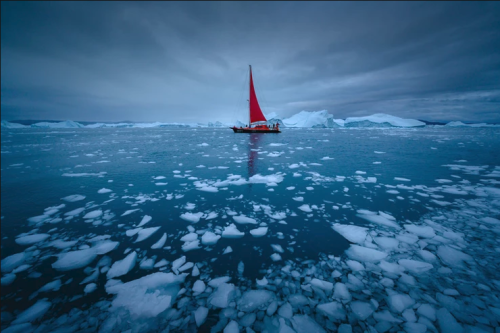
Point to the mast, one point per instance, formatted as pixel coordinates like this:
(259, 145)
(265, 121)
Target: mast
(249, 92)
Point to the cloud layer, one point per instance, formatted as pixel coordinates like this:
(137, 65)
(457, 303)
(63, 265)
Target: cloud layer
(188, 62)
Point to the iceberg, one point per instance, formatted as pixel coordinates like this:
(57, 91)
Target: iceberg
(461, 124)
(321, 119)
(382, 120)
(62, 124)
(7, 124)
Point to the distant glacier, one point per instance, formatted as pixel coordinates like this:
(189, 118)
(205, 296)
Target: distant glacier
(303, 119)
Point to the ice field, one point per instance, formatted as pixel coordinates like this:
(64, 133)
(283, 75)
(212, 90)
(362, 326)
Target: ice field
(200, 229)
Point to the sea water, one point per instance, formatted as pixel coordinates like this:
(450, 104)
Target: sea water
(203, 229)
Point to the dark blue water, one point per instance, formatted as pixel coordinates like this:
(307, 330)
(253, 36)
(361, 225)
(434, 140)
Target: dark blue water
(126, 161)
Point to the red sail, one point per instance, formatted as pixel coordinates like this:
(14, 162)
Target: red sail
(255, 111)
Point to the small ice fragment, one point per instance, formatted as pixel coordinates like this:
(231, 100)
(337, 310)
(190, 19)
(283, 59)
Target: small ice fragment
(227, 250)
(209, 238)
(122, 267)
(192, 217)
(145, 220)
(146, 233)
(34, 312)
(364, 254)
(232, 232)
(31, 239)
(90, 288)
(160, 243)
(275, 257)
(200, 315)
(242, 219)
(259, 232)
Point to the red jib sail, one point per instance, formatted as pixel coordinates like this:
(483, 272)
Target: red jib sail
(255, 111)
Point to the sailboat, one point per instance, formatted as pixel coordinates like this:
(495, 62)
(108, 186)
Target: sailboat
(257, 120)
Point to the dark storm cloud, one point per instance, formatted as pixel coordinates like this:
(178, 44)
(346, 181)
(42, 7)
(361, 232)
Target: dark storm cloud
(187, 62)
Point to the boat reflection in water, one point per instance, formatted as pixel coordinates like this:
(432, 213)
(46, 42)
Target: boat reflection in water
(253, 153)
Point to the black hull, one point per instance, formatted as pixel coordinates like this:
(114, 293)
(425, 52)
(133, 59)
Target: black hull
(252, 130)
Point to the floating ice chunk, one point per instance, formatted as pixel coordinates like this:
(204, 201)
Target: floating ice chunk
(305, 208)
(262, 282)
(490, 220)
(305, 324)
(160, 243)
(232, 327)
(11, 262)
(421, 231)
(189, 237)
(209, 238)
(186, 266)
(391, 267)
(453, 257)
(192, 217)
(253, 299)
(122, 267)
(402, 179)
(178, 263)
(242, 219)
(211, 189)
(74, 259)
(74, 212)
(73, 198)
(334, 311)
(361, 310)
(286, 311)
(259, 232)
(200, 315)
(222, 296)
(195, 271)
(352, 233)
(51, 286)
(132, 232)
(355, 266)
(145, 220)
(38, 219)
(90, 288)
(7, 279)
(93, 214)
(104, 190)
(299, 199)
(218, 281)
(227, 250)
(323, 285)
(147, 264)
(387, 243)
(275, 257)
(31, 239)
(34, 312)
(199, 287)
(399, 302)
(146, 233)
(427, 311)
(277, 248)
(386, 316)
(148, 296)
(364, 254)
(380, 218)
(232, 232)
(189, 246)
(130, 211)
(447, 323)
(414, 266)
(341, 292)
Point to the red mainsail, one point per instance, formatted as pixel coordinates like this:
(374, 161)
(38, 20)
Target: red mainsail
(255, 111)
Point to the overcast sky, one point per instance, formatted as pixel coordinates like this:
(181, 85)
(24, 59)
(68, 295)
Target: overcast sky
(188, 62)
